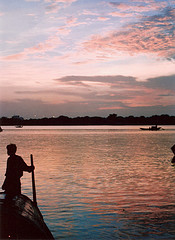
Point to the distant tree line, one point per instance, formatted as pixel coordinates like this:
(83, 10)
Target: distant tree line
(112, 119)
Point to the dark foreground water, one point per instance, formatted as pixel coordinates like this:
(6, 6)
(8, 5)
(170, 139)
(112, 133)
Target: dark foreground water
(99, 182)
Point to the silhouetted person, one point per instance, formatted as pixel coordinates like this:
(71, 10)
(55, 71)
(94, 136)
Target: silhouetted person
(173, 150)
(14, 171)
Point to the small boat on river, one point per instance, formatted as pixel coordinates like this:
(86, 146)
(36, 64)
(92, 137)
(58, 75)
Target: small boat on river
(19, 126)
(20, 218)
(152, 128)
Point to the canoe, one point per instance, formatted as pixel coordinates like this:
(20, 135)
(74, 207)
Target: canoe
(153, 128)
(20, 218)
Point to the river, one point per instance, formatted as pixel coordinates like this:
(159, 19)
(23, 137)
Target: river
(99, 182)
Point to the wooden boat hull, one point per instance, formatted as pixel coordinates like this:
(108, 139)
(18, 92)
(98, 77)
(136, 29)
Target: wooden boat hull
(20, 218)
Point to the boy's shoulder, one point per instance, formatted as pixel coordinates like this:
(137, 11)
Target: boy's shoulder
(18, 157)
(15, 157)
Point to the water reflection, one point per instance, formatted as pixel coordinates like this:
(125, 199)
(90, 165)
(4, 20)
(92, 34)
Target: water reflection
(102, 184)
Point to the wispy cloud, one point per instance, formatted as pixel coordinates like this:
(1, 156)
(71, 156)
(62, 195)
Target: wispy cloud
(64, 1)
(90, 13)
(55, 5)
(139, 6)
(153, 35)
(126, 89)
(40, 48)
(32, 0)
(52, 8)
(100, 94)
(97, 51)
(120, 14)
(103, 18)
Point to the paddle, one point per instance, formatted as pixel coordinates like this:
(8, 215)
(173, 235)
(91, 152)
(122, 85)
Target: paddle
(33, 181)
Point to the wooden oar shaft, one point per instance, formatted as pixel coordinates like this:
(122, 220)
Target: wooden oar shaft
(33, 181)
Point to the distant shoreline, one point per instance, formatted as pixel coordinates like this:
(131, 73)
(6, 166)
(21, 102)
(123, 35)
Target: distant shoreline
(112, 119)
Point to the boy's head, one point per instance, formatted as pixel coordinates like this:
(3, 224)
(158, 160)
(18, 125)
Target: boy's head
(11, 149)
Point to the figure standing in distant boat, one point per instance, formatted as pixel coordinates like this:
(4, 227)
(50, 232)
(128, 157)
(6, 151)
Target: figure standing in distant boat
(14, 171)
(173, 150)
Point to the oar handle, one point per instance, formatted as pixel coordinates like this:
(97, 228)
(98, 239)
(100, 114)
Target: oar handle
(33, 181)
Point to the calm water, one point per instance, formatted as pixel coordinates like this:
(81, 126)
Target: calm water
(99, 182)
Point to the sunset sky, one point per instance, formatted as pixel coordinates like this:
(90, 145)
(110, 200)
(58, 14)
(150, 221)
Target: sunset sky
(87, 57)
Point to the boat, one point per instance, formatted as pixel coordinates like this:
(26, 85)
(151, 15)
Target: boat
(19, 126)
(173, 150)
(1, 129)
(20, 218)
(152, 128)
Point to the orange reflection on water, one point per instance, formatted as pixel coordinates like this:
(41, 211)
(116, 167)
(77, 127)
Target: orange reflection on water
(101, 178)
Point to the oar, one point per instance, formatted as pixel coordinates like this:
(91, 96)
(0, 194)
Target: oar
(33, 181)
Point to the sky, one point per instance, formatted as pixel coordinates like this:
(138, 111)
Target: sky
(87, 58)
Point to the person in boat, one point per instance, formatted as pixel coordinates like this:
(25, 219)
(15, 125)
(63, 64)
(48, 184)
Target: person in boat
(173, 150)
(14, 171)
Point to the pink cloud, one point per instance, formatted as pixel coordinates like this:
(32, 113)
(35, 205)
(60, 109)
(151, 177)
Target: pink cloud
(45, 46)
(71, 20)
(64, 1)
(150, 97)
(69, 23)
(52, 8)
(142, 97)
(103, 18)
(127, 7)
(87, 12)
(101, 92)
(152, 35)
(42, 47)
(32, 0)
(63, 31)
(119, 14)
(55, 5)
(17, 56)
(143, 6)
(110, 108)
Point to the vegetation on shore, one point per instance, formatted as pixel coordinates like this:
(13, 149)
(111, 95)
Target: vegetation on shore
(112, 119)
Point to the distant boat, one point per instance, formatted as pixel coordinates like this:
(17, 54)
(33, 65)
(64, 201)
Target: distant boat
(152, 128)
(1, 129)
(19, 126)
